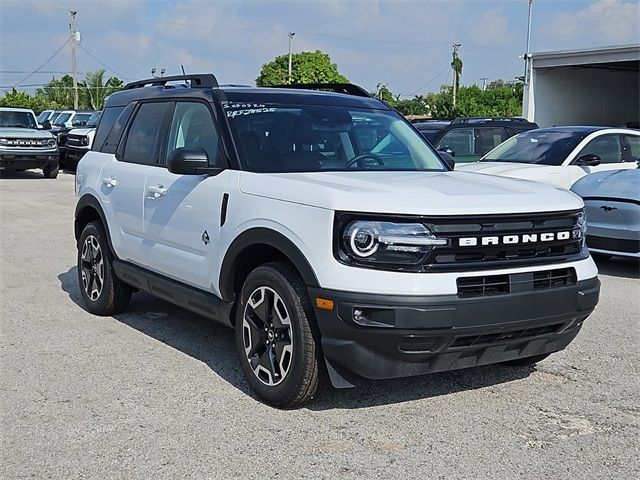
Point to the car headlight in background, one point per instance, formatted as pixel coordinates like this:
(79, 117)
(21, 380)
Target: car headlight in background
(581, 224)
(51, 143)
(382, 243)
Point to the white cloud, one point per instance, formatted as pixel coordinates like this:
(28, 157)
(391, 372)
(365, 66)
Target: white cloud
(491, 27)
(603, 22)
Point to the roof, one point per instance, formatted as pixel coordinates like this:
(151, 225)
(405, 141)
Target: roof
(587, 56)
(12, 109)
(239, 93)
(572, 129)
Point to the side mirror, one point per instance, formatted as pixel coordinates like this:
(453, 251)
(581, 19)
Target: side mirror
(190, 161)
(448, 159)
(588, 160)
(46, 125)
(448, 150)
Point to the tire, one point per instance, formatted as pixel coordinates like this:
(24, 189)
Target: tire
(286, 366)
(527, 361)
(51, 171)
(101, 296)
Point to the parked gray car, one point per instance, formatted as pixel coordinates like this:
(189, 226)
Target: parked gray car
(612, 201)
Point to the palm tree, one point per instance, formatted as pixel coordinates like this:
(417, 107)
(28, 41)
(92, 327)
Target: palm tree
(95, 89)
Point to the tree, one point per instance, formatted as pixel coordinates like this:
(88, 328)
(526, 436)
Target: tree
(307, 67)
(95, 89)
(58, 93)
(18, 99)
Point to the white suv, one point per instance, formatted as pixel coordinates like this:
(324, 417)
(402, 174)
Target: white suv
(327, 232)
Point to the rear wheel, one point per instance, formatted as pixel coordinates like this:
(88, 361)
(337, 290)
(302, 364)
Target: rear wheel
(103, 293)
(278, 353)
(527, 361)
(51, 171)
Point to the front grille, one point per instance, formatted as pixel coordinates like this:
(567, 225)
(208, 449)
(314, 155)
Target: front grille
(20, 143)
(489, 338)
(76, 140)
(514, 234)
(613, 244)
(488, 285)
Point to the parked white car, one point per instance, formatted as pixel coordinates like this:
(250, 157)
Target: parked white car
(561, 155)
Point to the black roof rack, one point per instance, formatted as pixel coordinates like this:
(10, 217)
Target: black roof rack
(346, 88)
(489, 119)
(199, 80)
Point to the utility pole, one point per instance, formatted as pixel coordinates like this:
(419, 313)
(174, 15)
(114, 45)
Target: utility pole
(455, 72)
(291, 35)
(527, 53)
(74, 61)
(484, 83)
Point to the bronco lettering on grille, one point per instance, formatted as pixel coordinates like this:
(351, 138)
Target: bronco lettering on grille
(513, 239)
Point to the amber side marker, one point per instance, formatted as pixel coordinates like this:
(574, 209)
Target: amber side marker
(324, 304)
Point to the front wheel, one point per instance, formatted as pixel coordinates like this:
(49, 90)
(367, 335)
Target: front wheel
(51, 171)
(278, 353)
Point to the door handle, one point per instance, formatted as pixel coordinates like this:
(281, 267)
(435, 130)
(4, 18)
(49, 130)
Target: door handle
(109, 181)
(157, 190)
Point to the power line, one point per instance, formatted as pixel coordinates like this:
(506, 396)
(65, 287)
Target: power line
(101, 62)
(45, 62)
(29, 71)
(428, 82)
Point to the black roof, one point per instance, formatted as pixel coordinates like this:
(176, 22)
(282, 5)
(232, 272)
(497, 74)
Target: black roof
(205, 86)
(571, 129)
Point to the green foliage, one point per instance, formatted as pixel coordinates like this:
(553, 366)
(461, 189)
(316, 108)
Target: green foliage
(17, 99)
(58, 93)
(500, 99)
(306, 67)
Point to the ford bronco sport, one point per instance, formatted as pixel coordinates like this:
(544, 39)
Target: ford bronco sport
(327, 232)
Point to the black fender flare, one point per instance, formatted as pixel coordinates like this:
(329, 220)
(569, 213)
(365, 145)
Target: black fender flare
(88, 201)
(262, 236)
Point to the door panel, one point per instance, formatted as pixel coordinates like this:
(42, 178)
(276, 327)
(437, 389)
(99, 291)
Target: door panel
(182, 224)
(121, 189)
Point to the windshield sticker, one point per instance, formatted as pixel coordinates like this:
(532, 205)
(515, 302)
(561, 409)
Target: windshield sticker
(236, 109)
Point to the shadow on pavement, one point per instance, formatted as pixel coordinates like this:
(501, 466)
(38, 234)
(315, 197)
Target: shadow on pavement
(214, 345)
(618, 266)
(24, 175)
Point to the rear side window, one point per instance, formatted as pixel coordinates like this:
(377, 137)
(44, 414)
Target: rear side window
(107, 121)
(490, 138)
(632, 149)
(142, 139)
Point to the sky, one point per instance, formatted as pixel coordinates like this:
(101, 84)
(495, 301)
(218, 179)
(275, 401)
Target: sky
(403, 44)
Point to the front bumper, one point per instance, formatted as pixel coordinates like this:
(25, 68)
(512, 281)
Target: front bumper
(25, 161)
(415, 335)
(73, 155)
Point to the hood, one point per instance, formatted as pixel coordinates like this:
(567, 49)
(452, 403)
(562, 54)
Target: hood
(614, 184)
(81, 131)
(24, 133)
(412, 193)
(506, 169)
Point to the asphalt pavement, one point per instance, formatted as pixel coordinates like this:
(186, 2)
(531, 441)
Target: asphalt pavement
(157, 392)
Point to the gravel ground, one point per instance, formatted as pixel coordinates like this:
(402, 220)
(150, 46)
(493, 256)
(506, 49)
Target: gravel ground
(157, 392)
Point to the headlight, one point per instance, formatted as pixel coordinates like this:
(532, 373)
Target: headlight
(581, 224)
(51, 143)
(382, 243)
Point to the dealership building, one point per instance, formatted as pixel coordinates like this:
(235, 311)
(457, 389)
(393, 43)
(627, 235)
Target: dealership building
(599, 86)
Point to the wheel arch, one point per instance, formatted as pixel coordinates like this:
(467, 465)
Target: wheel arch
(255, 247)
(89, 209)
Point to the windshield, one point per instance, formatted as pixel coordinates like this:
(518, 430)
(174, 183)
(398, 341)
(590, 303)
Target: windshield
(310, 138)
(94, 119)
(44, 116)
(81, 119)
(544, 147)
(17, 119)
(62, 119)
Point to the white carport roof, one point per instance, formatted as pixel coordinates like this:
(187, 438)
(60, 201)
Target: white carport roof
(625, 57)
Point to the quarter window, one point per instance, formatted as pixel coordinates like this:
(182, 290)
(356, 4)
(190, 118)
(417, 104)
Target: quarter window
(632, 148)
(607, 147)
(192, 127)
(142, 139)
